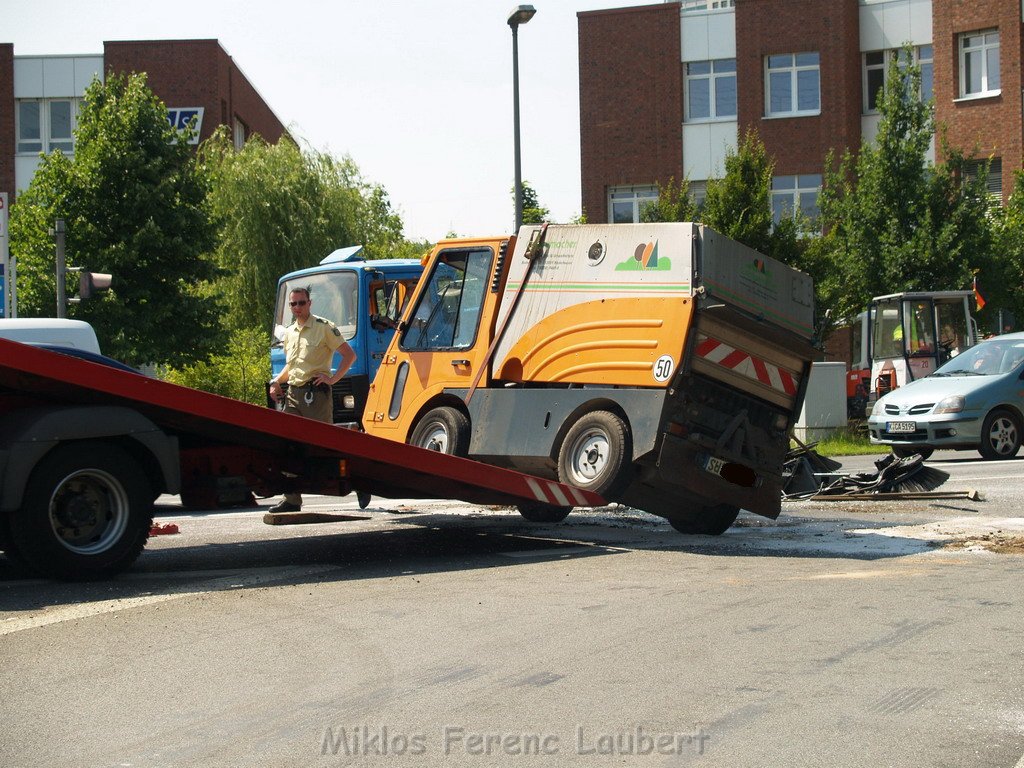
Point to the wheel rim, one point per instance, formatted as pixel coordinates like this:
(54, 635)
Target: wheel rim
(1002, 436)
(435, 438)
(589, 456)
(89, 511)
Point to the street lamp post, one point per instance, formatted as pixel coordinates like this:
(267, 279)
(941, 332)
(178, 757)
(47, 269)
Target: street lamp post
(519, 15)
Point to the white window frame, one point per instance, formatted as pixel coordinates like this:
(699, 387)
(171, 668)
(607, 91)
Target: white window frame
(794, 69)
(986, 76)
(703, 6)
(888, 54)
(636, 195)
(803, 184)
(713, 79)
(47, 141)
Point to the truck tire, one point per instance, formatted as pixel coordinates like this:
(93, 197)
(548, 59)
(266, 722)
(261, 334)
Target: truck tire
(443, 429)
(86, 512)
(1000, 435)
(595, 454)
(710, 521)
(544, 513)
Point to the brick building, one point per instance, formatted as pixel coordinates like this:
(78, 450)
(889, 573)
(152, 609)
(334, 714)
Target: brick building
(666, 89)
(40, 97)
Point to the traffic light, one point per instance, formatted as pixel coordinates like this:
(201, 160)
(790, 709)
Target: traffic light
(90, 283)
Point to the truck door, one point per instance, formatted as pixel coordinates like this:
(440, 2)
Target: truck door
(441, 344)
(387, 302)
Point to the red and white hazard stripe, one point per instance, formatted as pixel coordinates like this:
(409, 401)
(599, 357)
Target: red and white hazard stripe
(738, 361)
(553, 493)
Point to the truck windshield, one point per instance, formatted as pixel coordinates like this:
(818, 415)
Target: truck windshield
(334, 295)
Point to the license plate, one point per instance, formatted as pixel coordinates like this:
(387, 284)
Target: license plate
(901, 426)
(711, 464)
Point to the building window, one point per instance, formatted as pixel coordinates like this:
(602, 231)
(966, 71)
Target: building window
(240, 132)
(710, 89)
(46, 125)
(699, 193)
(979, 63)
(876, 67)
(793, 84)
(626, 203)
(692, 6)
(795, 193)
(994, 180)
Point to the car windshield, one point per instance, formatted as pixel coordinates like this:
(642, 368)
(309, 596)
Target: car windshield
(989, 358)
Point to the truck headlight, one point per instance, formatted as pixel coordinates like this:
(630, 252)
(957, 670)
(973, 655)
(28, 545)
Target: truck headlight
(951, 404)
(348, 401)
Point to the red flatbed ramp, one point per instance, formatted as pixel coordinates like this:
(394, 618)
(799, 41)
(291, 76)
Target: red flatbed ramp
(380, 466)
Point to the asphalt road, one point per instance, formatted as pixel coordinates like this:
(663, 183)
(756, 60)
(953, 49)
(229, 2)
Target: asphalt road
(845, 633)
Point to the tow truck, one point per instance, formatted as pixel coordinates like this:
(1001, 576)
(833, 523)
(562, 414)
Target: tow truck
(86, 448)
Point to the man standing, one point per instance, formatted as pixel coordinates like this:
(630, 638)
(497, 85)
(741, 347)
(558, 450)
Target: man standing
(309, 344)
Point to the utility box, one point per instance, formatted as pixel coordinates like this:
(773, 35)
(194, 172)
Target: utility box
(824, 411)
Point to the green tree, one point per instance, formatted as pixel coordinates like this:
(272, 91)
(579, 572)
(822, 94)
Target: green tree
(240, 371)
(533, 211)
(893, 220)
(134, 206)
(674, 203)
(1005, 287)
(739, 204)
(279, 208)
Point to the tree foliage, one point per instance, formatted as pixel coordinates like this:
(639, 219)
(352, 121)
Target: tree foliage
(533, 211)
(1001, 285)
(134, 206)
(674, 203)
(278, 209)
(240, 371)
(739, 204)
(893, 220)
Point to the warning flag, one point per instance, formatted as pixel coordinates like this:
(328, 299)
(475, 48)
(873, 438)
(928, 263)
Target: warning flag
(977, 295)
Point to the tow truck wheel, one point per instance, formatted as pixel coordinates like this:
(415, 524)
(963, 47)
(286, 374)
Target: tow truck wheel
(710, 521)
(86, 512)
(1000, 435)
(595, 453)
(443, 429)
(544, 513)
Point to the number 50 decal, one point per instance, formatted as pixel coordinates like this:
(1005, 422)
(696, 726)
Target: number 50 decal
(663, 368)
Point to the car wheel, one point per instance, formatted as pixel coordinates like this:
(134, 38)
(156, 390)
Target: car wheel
(1000, 435)
(445, 430)
(709, 521)
(906, 453)
(595, 454)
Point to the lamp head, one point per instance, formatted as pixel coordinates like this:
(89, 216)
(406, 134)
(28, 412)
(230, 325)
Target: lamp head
(520, 15)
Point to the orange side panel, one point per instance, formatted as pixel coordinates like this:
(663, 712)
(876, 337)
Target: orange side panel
(611, 342)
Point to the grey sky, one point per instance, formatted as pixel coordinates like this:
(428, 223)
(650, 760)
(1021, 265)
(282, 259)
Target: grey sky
(418, 94)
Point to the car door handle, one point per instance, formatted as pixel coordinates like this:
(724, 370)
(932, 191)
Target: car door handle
(460, 363)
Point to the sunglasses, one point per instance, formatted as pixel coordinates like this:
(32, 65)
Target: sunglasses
(298, 303)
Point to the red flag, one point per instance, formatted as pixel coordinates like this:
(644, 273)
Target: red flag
(977, 295)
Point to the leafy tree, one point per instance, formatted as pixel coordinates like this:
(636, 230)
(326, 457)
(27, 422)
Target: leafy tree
(280, 208)
(893, 220)
(134, 206)
(1004, 287)
(739, 205)
(533, 211)
(674, 203)
(240, 371)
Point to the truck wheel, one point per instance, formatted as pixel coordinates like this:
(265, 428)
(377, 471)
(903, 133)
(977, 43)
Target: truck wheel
(904, 452)
(1000, 435)
(595, 454)
(86, 512)
(544, 513)
(710, 521)
(443, 429)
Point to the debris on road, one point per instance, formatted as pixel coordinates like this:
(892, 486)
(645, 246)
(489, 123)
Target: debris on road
(163, 530)
(896, 478)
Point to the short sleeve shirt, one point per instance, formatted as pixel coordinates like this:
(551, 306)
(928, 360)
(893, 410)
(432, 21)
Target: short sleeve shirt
(309, 349)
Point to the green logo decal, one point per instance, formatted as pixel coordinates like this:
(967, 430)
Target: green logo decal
(645, 259)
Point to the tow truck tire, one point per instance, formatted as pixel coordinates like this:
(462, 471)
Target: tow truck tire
(1000, 435)
(544, 513)
(86, 512)
(710, 521)
(595, 454)
(905, 453)
(443, 429)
